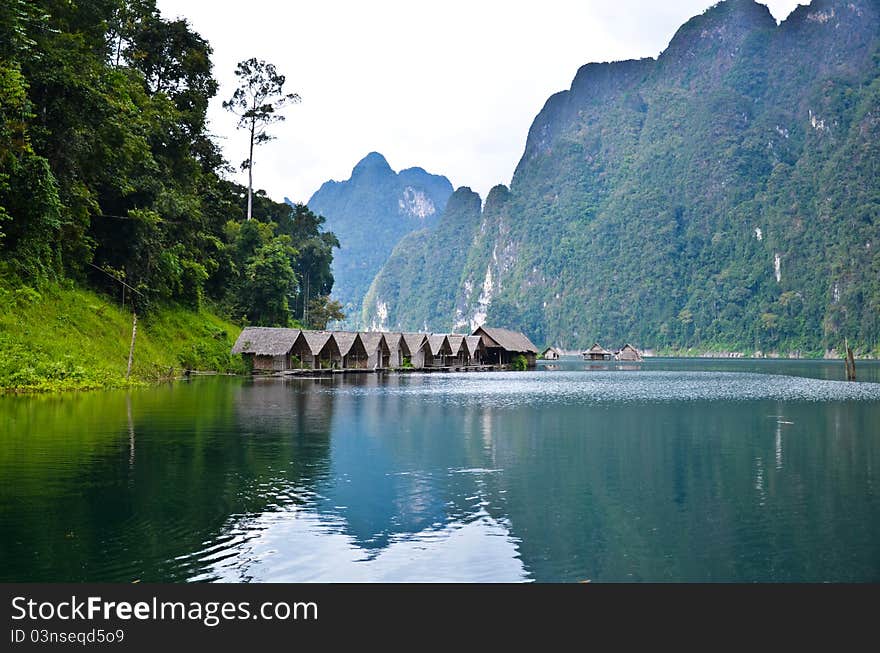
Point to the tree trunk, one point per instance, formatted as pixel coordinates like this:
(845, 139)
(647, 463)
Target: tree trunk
(251, 172)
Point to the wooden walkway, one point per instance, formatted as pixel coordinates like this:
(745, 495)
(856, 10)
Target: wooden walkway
(381, 370)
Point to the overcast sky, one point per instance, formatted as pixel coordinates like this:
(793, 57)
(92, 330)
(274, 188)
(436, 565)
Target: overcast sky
(449, 86)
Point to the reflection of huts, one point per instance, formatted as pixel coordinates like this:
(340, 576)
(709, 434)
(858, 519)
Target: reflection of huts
(378, 351)
(267, 348)
(503, 345)
(436, 350)
(412, 350)
(352, 350)
(597, 353)
(551, 354)
(629, 353)
(321, 348)
(475, 349)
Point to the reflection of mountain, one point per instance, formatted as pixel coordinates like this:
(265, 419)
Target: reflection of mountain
(553, 477)
(390, 462)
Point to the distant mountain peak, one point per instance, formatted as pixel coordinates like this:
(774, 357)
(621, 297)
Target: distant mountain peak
(373, 162)
(726, 23)
(369, 213)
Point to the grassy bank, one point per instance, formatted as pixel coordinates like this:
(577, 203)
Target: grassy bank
(68, 338)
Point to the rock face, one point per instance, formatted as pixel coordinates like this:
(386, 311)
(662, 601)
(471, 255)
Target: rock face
(725, 194)
(370, 213)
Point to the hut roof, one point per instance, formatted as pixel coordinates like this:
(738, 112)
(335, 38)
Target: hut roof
(265, 341)
(392, 339)
(434, 343)
(509, 340)
(553, 349)
(413, 341)
(472, 343)
(456, 342)
(345, 341)
(373, 340)
(315, 340)
(597, 349)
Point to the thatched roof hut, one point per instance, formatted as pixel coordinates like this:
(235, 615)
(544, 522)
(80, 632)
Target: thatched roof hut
(316, 341)
(474, 346)
(597, 353)
(629, 353)
(265, 341)
(436, 348)
(267, 348)
(322, 347)
(351, 349)
(456, 342)
(413, 349)
(503, 345)
(397, 348)
(551, 354)
(510, 340)
(378, 351)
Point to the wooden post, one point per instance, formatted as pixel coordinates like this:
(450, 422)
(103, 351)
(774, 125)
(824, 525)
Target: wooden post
(852, 364)
(134, 324)
(849, 361)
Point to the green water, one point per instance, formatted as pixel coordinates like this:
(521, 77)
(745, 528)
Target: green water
(668, 471)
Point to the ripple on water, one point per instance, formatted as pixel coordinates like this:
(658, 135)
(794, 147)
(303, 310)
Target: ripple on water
(506, 389)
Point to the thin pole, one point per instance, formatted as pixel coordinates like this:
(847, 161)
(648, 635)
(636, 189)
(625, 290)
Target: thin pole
(134, 323)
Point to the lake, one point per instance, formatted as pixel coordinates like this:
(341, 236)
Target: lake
(672, 470)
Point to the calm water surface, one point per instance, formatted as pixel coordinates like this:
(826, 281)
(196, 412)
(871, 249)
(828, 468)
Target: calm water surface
(669, 471)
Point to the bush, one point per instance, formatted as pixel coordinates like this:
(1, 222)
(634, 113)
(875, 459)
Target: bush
(519, 363)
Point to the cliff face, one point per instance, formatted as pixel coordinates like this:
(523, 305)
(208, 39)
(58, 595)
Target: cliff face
(724, 194)
(369, 213)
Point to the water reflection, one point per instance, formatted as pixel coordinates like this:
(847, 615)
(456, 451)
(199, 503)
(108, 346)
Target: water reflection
(608, 475)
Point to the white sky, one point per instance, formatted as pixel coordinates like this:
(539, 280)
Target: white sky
(450, 86)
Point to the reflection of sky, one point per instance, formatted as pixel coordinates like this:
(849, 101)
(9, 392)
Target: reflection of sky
(568, 475)
(298, 545)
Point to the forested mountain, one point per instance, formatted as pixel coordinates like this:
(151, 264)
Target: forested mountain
(726, 194)
(370, 213)
(108, 175)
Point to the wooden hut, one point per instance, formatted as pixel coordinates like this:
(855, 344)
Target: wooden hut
(436, 350)
(459, 355)
(629, 353)
(475, 349)
(318, 350)
(351, 349)
(503, 345)
(412, 349)
(268, 349)
(597, 353)
(397, 349)
(551, 354)
(378, 350)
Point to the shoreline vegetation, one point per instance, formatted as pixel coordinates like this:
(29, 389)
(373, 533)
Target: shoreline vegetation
(63, 337)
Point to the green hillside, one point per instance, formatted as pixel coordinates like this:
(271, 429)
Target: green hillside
(68, 338)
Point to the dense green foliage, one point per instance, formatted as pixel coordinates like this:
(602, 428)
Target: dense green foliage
(108, 175)
(370, 213)
(406, 292)
(64, 338)
(723, 196)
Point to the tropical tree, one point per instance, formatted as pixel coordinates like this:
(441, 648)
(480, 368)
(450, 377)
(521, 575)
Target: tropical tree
(257, 101)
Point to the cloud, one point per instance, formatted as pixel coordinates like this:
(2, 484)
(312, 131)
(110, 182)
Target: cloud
(452, 87)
